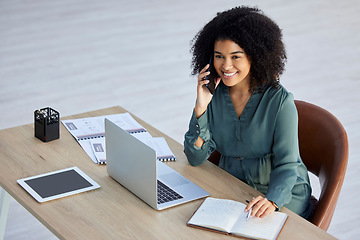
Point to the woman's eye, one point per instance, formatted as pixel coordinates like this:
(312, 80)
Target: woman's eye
(236, 57)
(218, 56)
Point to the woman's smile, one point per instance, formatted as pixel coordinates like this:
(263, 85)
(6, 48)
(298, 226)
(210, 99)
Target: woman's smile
(229, 75)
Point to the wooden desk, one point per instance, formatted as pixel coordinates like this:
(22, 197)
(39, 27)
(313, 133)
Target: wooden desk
(112, 212)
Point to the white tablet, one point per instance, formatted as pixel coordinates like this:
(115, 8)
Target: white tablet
(57, 184)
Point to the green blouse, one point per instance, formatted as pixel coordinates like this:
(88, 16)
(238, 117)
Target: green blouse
(260, 148)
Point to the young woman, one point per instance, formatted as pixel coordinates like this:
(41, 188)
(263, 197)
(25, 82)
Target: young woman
(251, 119)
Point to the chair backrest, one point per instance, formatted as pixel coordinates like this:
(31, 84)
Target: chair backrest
(324, 150)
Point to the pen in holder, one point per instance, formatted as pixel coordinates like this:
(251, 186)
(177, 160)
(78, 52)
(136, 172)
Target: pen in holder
(46, 123)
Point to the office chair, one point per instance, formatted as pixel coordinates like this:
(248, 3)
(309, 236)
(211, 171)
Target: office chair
(324, 150)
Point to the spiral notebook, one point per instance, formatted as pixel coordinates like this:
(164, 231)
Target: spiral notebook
(90, 134)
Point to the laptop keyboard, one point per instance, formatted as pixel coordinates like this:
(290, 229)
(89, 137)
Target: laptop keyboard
(166, 194)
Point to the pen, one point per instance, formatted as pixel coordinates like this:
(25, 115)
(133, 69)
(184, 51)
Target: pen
(248, 214)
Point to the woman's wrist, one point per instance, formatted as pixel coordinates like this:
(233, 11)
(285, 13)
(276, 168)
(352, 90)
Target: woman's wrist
(275, 206)
(199, 112)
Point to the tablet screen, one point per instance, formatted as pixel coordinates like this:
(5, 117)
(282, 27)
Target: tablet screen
(57, 184)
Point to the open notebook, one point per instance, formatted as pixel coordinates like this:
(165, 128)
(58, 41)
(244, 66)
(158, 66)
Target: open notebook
(90, 134)
(228, 217)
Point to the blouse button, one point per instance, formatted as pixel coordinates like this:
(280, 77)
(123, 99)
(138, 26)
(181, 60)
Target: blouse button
(197, 125)
(197, 131)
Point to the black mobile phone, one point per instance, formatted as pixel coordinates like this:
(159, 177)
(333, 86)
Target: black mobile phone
(211, 84)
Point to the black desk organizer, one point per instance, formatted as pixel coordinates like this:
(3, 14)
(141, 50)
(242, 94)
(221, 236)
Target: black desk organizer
(46, 121)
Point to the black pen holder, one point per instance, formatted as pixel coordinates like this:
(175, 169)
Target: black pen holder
(46, 123)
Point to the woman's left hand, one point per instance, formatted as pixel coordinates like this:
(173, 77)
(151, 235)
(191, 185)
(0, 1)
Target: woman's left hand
(261, 207)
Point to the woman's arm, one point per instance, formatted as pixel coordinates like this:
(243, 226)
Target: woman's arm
(285, 162)
(286, 154)
(198, 143)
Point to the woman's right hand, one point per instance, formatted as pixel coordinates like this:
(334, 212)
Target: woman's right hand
(203, 94)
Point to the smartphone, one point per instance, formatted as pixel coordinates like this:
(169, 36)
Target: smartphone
(211, 84)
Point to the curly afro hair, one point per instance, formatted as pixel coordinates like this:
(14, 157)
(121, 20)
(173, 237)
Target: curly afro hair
(258, 35)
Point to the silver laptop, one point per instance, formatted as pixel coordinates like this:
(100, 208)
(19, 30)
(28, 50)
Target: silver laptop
(134, 165)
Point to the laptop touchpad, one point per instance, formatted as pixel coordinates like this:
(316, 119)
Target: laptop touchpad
(173, 179)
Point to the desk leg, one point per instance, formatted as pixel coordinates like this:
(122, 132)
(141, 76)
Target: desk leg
(4, 210)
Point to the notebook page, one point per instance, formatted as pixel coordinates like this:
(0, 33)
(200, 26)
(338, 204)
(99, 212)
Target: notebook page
(163, 151)
(261, 228)
(220, 214)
